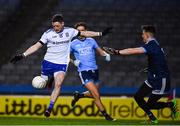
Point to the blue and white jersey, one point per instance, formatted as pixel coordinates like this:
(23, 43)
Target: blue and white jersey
(85, 51)
(58, 45)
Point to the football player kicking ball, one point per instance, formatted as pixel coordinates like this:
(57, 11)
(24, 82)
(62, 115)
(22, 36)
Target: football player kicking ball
(158, 81)
(56, 58)
(84, 50)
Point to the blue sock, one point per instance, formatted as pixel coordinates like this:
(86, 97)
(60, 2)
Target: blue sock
(51, 105)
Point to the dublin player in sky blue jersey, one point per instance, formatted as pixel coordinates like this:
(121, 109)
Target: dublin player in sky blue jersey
(57, 57)
(158, 81)
(84, 50)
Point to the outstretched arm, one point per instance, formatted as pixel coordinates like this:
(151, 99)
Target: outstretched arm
(32, 49)
(131, 51)
(90, 33)
(128, 51)
(29, 51)
(103, 53)
(94, 34)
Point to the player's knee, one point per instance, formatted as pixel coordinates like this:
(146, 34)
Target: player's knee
(96, 95)
(58, 83)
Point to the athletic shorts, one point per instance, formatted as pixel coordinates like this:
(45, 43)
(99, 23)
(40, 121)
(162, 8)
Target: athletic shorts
(50, 69)
(89, 76)
(159, 85)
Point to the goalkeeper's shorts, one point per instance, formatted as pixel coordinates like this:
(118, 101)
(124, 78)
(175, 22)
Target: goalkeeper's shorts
(159, 85)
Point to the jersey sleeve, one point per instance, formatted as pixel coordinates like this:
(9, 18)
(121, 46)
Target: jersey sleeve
(95, 45)
(74, 32)
(149, 47)
(71, 48)
(44, 39)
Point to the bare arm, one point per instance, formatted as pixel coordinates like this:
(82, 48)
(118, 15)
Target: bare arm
(131, 51)
(33, 49)
(101, 52)
(29, 51)
(90, 33)
(94, 34)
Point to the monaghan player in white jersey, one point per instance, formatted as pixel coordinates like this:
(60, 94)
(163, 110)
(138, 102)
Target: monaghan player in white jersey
(57, 57)
(84, 49)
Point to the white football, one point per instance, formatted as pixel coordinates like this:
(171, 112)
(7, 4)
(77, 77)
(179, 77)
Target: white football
(38, 82)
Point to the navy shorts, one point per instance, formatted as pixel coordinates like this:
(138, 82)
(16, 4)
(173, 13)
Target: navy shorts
(48, 68)
(89, 76)
(159, 85)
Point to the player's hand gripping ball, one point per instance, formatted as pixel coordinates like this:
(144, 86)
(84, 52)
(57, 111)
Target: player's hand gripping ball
(38, 82)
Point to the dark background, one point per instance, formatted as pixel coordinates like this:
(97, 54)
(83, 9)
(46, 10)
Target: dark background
(22, 23)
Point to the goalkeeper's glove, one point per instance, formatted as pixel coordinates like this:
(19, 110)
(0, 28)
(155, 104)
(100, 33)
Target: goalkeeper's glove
(107, 56)
(76, 62)
(111, 51)
(106, 31)
(17, 58)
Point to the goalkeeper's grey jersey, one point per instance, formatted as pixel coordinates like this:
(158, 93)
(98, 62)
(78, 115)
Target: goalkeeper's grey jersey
(58, 45)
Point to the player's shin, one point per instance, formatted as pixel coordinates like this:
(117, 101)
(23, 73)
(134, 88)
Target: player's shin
(51, 105)
(54, 97)
(49, 109)
(102, 109)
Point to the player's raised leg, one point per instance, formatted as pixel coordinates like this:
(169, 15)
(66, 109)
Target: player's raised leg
(153, 103)
(86, 94)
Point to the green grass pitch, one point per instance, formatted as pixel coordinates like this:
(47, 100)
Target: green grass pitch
(49, 121)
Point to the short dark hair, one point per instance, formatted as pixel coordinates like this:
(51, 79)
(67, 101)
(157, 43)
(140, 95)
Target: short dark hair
(149, 28)
(80, 24)
(57, 18)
